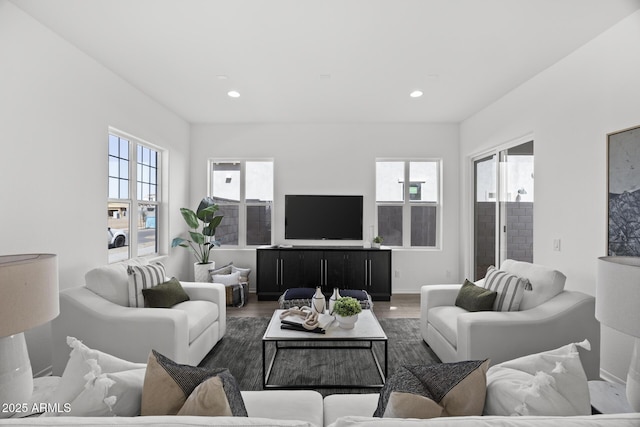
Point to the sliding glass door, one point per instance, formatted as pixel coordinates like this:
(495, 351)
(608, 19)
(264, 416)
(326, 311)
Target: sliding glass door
(503, 207)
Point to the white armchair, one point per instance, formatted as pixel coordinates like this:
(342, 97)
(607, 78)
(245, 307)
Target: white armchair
(455, 334)
(99, 316)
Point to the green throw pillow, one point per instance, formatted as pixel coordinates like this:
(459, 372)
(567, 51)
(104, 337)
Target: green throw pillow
(165, 295)
(475, 298)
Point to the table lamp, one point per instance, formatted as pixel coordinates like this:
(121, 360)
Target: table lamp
(618, 307)
(28, 298)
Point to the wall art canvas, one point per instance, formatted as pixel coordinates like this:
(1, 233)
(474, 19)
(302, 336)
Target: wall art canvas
(623, 153)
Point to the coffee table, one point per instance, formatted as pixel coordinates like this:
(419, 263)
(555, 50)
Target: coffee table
(367, 330)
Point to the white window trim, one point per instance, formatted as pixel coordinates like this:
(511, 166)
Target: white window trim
(161, 194)
(407, 203)
(242, 204)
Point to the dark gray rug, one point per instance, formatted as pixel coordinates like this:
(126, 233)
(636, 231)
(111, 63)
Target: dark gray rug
(241, 351)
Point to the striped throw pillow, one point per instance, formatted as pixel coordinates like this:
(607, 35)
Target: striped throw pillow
(510, 289)
(144, 277)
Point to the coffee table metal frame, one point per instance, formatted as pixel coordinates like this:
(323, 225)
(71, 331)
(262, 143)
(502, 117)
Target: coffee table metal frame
(333, 334)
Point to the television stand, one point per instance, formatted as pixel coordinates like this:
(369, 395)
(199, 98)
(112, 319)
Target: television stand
(344, 267)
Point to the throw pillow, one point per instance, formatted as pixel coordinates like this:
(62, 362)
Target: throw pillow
(510, 289)
(226, 269)
(165, 295)
(244, 272)
(551, 383)
(226, 279)
(111, 281)
(474, 298)
(82, 361)
(168, 385)
(110, 394)
(429, 391)
(144, 277)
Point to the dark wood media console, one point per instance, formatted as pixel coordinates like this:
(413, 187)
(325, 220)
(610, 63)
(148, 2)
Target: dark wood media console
(343, 267)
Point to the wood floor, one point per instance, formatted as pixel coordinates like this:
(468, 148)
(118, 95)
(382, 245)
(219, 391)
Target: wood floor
(400, 306)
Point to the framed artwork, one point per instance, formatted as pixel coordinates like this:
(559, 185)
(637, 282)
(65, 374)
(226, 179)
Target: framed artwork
(623, 191)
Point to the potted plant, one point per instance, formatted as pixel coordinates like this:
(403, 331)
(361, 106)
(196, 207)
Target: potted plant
(346, 311)
(203, 223)
(377, 241)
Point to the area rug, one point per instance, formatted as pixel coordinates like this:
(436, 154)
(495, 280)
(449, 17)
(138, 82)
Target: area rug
(241, 352)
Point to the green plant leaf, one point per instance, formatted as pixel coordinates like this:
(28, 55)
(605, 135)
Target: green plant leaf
(178, 241)
(197, 237)
(190, 217)
(206, 209)
(210, 230)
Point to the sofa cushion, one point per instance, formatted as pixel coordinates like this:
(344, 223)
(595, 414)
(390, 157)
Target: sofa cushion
(445, 320)
(169, 387)
(143, 277)
(509, 287)
(545, 282)
(548, 383)
(165, 295)
(111, 281)
(200, 315)
(474, 298)
(429, 391)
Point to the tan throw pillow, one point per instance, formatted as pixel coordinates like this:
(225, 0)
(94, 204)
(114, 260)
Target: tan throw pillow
(208, 399)
(168, 385)
(429, 391)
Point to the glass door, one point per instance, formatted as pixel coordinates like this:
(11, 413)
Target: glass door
(503, 207)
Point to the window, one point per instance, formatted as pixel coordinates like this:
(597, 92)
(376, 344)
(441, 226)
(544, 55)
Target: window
(244, 191)
(408, 215)
(134, 197)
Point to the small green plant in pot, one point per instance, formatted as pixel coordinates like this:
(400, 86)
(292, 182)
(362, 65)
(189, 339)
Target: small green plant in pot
(203, 223)
(346, 311)
(377, 241)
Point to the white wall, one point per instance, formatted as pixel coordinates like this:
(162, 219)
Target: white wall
(338, 159)
(569, 108)
(56, 105)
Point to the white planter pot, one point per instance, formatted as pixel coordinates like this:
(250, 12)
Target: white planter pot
(346, 322)
(201, 271)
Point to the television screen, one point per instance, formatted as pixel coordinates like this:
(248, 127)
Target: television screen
(315, 217)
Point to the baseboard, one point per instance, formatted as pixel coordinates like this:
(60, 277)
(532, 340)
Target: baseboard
(607, 376)
(45, 372)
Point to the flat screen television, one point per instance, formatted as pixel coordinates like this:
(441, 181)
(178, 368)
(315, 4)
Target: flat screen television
(319, 217)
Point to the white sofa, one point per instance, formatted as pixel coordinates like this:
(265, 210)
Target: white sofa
(549, 317)
(305, 408)
(98, 314)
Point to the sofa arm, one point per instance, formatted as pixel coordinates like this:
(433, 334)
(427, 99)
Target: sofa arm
(568, 317)
(214, 292)
(434, 296)
(126, 332)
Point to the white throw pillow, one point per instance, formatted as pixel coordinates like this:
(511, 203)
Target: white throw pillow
(546, 283)
(551, 383)
(226, 279)
(110, 394)
(144, 277)
(510, 289)
(82, 361)
(111, 281)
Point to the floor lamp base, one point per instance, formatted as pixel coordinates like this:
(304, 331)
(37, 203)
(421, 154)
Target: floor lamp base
(633, 378)
(16, 378)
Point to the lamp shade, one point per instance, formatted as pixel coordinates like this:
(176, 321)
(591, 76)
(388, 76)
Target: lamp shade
(618, 293)
(28, 292)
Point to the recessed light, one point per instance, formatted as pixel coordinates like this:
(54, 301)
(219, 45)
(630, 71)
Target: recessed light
(325, 76)
(234, 94)
(416, 94)
(222, 77)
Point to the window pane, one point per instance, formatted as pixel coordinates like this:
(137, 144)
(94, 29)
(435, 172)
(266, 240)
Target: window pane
(423, 177)
(124, 148)
(227, 231)
(259, 181)
(423, 225)
(124, 189)
(390, 225)
(118, 231)
(225, 182)
(147, 231)
(258, 225)
(114, 145)
(114, 167)
(146, 174)
(124, 169)
(113, 188)
(389, 181)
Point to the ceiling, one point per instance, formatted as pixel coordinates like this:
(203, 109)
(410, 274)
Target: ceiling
(327, 61)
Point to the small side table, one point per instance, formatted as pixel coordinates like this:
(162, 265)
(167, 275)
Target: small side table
(609, 398)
